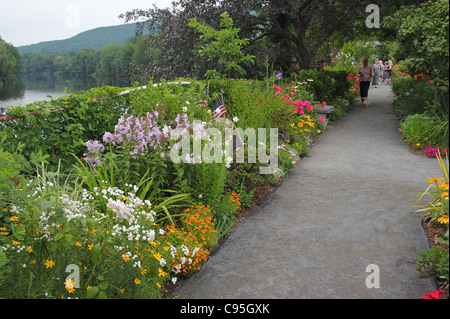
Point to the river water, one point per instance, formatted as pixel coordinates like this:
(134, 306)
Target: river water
(28, 96)
(31, 91)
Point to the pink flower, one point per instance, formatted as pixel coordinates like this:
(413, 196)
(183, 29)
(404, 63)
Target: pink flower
(434, 294)
(321, 119)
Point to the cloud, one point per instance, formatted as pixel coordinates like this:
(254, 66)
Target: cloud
(30, 21)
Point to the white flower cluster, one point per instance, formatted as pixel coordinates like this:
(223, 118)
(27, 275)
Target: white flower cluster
(183, 259)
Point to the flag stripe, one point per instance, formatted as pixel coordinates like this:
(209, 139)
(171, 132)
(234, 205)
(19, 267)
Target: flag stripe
(219, 109)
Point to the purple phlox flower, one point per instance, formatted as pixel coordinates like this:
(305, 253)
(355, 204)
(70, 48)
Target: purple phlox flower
(108, 137)
(95, 146)
(279, 75)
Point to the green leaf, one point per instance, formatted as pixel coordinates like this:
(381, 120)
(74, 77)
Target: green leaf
(70, 239)
(58, 236)
(3, 259)
(92, 292)
(102, 295)
(46, 204)
(103, 285)
(95, 253)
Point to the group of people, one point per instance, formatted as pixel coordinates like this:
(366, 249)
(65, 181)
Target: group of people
(376, 74)
(382, 73)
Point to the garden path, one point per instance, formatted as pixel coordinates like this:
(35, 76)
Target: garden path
(344, 207)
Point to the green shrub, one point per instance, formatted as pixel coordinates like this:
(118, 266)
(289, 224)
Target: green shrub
(433, 262)
(412, 96)
(326, 85)
(420, 130)
(63, 125)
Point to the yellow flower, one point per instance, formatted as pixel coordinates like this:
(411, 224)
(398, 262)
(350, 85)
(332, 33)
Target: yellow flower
(78, 244)
(16, 242)
(49, 263)
(90, 246)
(14, 218)
(443, 219)
(125, 198)
(137, 281)
(161, 272)
(32, 262)
(69, 285)
(126, 258)
(122, 290)
(143, 271)
(4, 210)
(444, 194)
(157, 256)
(435, 180)
(441, 187)
(29, 249)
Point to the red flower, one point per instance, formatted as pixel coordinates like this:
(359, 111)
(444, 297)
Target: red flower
(434, 294)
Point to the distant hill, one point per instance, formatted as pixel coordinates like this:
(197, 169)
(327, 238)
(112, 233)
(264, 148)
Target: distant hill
(94, 39)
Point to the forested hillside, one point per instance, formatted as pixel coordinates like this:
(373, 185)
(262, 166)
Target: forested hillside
(10, 64)
(98, 67)
(92, 39)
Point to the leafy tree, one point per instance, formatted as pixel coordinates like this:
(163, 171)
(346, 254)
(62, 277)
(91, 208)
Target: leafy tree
(422, 33)
(225, 45)
(10, 64)
(279, 30)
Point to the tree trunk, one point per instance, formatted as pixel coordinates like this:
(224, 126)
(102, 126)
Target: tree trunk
(305, 56)
(303, 49)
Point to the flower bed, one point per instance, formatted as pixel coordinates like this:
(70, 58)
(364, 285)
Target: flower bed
(122, 218)
(435, 261)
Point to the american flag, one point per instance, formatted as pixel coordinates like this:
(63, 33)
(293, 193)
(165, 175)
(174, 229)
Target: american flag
(219, 109)
(202, 103)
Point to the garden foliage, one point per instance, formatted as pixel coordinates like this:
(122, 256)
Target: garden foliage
(93, 206)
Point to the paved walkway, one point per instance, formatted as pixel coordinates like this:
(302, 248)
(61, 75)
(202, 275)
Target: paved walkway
(344, 207)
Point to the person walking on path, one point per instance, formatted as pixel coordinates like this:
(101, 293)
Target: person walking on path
(376, 68)
(388, 72)
(382, 71)
(365, 74)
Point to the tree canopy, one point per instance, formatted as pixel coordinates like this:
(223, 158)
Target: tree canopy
(422, 34)
(285, 33)
(10, 64)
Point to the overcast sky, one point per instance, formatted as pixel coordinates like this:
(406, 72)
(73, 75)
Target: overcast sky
(32, 21)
